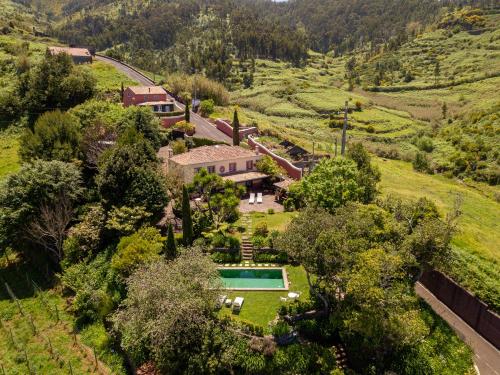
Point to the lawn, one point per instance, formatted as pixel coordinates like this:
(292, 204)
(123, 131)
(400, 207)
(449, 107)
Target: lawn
(109, 79)
(476, 245)
(44, 326)
(9, 156)
(260, 308)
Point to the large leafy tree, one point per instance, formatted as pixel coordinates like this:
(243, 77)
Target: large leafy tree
(56, 136)
(144, 122)
(55, 83)
(222, 197)
(36, 206)
(129, 175)
(168, 311)
(332, 184)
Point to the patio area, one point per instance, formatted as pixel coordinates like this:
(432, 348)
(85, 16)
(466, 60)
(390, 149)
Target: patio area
(267, 203)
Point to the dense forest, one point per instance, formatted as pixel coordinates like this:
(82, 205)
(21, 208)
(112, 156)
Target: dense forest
(151, 33)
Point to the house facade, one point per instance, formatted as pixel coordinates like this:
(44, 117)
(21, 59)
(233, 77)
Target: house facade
(78, 55)
(233, 162)
(136, 95)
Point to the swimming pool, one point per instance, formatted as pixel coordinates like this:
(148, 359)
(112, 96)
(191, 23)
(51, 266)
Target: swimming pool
(254, 278)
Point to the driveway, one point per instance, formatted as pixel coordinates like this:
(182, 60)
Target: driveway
(204, 129)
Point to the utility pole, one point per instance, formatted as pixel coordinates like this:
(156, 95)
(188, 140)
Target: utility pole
(344, 130)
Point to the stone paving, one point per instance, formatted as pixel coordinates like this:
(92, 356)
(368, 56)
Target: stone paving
(267, 203)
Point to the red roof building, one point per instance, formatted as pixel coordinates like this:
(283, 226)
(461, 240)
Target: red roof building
(135, 95)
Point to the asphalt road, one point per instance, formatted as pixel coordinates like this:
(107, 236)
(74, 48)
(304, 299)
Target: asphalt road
(204, 129)
(486, 356)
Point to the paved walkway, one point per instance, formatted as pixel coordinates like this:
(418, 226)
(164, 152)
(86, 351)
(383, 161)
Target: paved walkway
(204, 129)
(486, 356)
(267, 203)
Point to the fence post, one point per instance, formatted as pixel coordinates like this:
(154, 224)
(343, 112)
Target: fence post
(33, 328)
(95, 358)
(27, 360)
(57, 314)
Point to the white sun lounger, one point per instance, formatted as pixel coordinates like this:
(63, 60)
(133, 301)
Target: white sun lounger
(252, 198)
(238, 303)
(259, 197)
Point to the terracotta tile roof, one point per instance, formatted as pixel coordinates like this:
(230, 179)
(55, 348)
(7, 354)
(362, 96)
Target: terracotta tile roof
(69, 51)
(244, 177)
(142, 90)
(207, 154)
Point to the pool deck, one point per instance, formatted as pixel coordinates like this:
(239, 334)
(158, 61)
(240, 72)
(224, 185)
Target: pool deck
(254, 267)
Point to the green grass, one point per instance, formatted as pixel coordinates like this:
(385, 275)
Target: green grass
(109, 79)
(260, 308)
(9, 156)
(477, 263)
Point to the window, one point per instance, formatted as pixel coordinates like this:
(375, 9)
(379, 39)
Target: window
(232, 167)
(249, 165)
(196, 170)
(211, 169)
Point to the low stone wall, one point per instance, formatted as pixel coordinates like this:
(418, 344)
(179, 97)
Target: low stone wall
(468, 307)
(227, 129)
(292, 170)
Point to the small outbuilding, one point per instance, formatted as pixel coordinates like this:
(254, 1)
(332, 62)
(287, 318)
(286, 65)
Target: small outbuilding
(78, 55)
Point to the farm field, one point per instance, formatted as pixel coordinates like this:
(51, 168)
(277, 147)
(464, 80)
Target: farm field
(39, 338)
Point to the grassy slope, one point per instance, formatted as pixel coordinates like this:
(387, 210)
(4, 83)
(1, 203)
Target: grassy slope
(108, 78)
(9, 157)
(476, 245)
(42, 307)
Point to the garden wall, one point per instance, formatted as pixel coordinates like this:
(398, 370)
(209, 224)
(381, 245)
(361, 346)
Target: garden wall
(468, 307)
(227, 129)
(292, 170)
(168, 122)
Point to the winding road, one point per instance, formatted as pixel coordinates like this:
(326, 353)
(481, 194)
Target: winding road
(204, 129)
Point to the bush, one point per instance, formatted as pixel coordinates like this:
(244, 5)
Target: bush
(258, 242)
(421, 163)
(219, 240)
(270, 211)
(179, 147)
(261, 229)
(358, 105)
(370, 129)
(425, 144)
(263, 257)
(186, 127)
(207, 107)
(223, 257)
(180, 84)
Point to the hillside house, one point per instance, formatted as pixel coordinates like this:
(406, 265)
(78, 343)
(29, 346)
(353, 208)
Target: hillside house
(78, 55)
(232, 162)
(147, 95)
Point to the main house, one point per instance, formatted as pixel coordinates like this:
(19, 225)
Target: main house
(232, 162)
(151, 96)
(78, 55)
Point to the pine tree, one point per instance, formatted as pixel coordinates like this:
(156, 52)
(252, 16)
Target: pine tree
(171, 249)
(187, 114)
(187, 221)
(236, 129)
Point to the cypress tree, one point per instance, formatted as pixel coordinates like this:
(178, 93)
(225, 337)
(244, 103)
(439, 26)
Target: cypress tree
(171, 249)
(187, 221)
(187, 113)
(236, 129)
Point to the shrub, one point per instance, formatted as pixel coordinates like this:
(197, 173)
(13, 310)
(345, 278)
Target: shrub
(370, 129)
(421, 163)
(186, 127)
(425, 144)
(223, 257)
(179, 147)
(270, 211)
(258, 242)
(261, 229)
(207, 107)
(281, 328)
(358, 105)
(180, 84)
